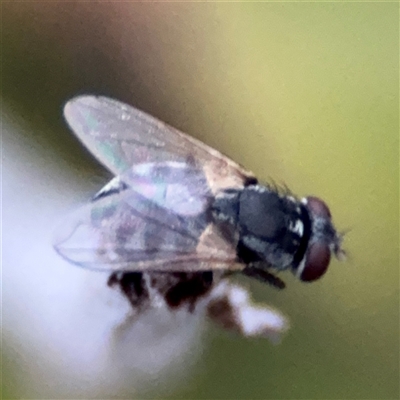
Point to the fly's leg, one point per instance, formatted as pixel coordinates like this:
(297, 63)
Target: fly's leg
(258, 271)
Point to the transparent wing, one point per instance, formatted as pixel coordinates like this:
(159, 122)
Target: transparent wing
(164, 224)
(121, 136)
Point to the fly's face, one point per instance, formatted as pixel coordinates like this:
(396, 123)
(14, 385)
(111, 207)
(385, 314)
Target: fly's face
(181, 208)
(324, 241)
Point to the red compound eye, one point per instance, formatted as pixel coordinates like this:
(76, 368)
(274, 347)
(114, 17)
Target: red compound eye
(316, 262)
(318, 207)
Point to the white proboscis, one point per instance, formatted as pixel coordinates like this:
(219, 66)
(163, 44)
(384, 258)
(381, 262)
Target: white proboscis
(235, 307)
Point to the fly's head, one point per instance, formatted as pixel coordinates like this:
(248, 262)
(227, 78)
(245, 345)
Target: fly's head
(324, 240)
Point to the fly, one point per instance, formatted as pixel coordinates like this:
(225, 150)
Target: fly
(181, 215)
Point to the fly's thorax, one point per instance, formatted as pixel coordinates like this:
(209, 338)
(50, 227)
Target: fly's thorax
(273, 226)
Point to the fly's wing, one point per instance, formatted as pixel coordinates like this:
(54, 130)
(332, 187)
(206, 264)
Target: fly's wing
(156, 214)
(161, 222)
(121, 136)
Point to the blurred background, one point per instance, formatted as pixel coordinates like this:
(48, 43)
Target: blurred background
(305, 94)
